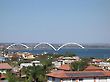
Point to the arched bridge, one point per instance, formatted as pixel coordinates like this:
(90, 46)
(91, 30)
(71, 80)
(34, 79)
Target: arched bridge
(60, 46)
(17, 44)
(48, 45)
(69, 44)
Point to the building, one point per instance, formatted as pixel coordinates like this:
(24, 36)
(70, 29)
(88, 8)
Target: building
(68, 60)
(28, 56)
(4, 67)
(36, 63)
(3, 59)
(25, 55)
(65, 60)
(3, 78)
(65, 67)
(96, 61)
(93, 68)
(90, 74)
(79, 76)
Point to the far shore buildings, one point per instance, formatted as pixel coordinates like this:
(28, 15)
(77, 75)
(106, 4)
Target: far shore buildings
(24, 55)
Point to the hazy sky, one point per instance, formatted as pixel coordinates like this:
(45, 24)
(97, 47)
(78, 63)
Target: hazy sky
(55, 21)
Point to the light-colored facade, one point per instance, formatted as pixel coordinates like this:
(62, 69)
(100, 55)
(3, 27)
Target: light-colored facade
(105, 79)
(36, 63)
(65, 60)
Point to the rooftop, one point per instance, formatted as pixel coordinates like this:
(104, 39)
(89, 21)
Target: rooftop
(5, 66)
(93, 68)
(2, 76)
(79, 74)
(65, 67)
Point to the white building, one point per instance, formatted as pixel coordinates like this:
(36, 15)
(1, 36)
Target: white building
(36, 63)
(65, 60)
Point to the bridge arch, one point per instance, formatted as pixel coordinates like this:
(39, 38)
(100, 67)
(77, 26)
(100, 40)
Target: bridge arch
(69, 44)
(47, 44)
(18, 44)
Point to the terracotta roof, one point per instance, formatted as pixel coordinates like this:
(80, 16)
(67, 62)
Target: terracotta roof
(65, 67)
(58, 74)
(93, 68)
(79, 74)
(97, 60)
(107, 73)
(2, 76)
(5, 66)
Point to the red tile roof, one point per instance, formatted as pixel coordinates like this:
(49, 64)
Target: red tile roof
(59, 74)
(97, 60)
(5, 66)
(79, 74)
(65, 67)
(93, 68)
(2, 76)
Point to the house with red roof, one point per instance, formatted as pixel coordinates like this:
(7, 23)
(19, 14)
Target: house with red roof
(65, 60)
(3, 78)
(93, 68)
(65, 67)
(4, 67)
(90, 74)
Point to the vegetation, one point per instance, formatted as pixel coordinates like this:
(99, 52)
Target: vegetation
(11, 77)
(79, 65)
(38, 73)
(34, 74)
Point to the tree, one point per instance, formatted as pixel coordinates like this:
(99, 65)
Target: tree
(34, 74)
(11, 77)
(79, 65)
(47, 65)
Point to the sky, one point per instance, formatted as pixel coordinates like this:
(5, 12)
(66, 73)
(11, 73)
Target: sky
(55, 21)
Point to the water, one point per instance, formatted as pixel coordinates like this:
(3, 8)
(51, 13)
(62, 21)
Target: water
(98, 53)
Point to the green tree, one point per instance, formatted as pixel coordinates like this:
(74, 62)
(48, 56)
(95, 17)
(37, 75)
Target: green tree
(47, 65)
(34, 74)
(11, 77)
(29, 79)
(79, 65)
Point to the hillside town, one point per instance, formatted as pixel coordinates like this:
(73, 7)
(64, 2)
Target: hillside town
(26, 67)
(54, 41)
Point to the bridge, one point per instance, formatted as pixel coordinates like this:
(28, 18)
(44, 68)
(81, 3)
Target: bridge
(55, 49)
(70, 44)
(17, 44)
(47, 44)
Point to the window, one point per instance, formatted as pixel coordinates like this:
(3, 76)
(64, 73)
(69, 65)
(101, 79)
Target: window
(53, 79)
(73, 80)
(80, 79)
